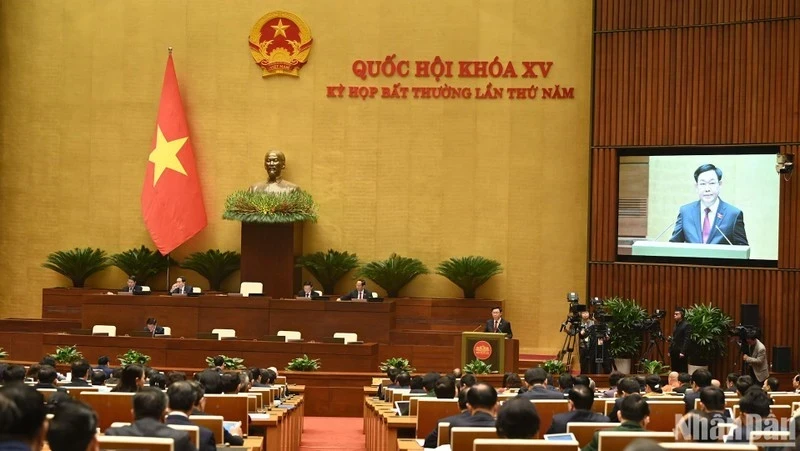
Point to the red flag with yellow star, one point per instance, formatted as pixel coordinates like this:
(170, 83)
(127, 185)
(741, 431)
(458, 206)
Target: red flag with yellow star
(172, 200)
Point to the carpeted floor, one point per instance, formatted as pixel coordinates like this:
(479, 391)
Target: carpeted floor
(328, 433)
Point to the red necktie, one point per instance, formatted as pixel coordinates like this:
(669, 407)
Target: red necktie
(706, 226)
(360, 295)
(496, 326)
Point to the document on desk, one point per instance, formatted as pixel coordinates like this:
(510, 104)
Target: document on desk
(258, 416)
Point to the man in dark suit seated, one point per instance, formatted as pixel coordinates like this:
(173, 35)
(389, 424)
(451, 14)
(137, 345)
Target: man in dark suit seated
(627, 386)
(181, 402)
(537, 386)
(149, 407)
(152, 326)
(498, 324)
(481, 403)
(132, 287)
(13, 374)
(517, 419)
(22, 418)
(634, 414)
(47, 378)
(581, 399)
(80, 374)
(433, 438)
(307, 291)
(102, 364)
(181, 287)
(700, 378)
(73, 427)
(210, 382)
(360, 293)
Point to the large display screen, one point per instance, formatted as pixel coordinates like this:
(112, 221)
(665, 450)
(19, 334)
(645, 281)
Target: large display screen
(721, 206)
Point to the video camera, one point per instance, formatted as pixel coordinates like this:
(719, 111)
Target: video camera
(651, 323)
(742, 332)
(573, 321)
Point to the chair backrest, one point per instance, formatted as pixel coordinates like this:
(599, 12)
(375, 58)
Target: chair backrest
(110, 407)
(197, 290)
(75, 391)
(280, 380)
(693, 446)
(785, 398)
(348, 336)
(46, 392)
(504, 444)
(192, 430)
(546, 408)
(617, 440)
(213, 422)
(430, 411)
(730, 402)
(224, 333)
(167, 330)
(461, 438)
(442, 434)
(145, 289)
(609, 406)
(770, 439)
(231, 407)
(664, 414)
(149, 443)
(318, 292)
(290, 334)
(105, 329)
(781, 411)
(248, 288)
(584, 432)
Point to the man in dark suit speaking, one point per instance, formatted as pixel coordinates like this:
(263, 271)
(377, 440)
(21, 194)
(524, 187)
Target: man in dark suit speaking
(709, 220)
(498, 324)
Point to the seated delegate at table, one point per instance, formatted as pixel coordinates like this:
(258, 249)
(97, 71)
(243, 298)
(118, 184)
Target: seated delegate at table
(153, 327)
(359, 293)
(181, 287)
(307, 291)
(132, 286)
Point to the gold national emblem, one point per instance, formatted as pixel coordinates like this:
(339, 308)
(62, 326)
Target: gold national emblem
(280, 43)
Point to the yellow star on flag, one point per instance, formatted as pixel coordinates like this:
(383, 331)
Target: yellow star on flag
(165, 155)
(280, 29)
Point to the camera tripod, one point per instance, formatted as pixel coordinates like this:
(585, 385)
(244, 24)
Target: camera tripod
(567, 349)
(653, 350)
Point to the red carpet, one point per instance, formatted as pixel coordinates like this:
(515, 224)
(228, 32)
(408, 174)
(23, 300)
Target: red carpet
(327, 433)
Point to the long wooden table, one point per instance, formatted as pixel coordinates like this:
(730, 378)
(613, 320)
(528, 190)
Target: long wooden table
(251, 317)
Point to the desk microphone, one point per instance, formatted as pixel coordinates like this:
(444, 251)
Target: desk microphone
(723, 235)
(665, 230)
(476, 329)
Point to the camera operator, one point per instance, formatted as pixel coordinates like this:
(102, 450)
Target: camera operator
(587, 357)
(679, 343)
(756, 357)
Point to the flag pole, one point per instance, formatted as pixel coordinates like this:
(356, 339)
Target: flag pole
(168, 290)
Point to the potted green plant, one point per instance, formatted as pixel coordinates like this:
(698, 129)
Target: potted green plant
(270, 208)
(393, 273)
(67, 354)
(328, 267)
(708, 334)
(133, 356)
(141, 262)
(626, 337)
(228, 363)
(469, 273)
(397, 362)
(214, 265)
(653, 367)
(554, 367)
(477, 367)
(3, 354)
(77, 264)
(304, 364)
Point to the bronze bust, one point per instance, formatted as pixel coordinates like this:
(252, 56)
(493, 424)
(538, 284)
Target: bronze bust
(274, 163)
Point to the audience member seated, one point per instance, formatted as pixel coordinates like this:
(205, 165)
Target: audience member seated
(404, 380)
(613, 380)
(230, 383)
(584, 380)
(416, 385)
(131, 380)
(730, 382)
(652, 388)
(391, 373)
(685, 380)
(700, 378)
(158, 380)
(743, 384)
(536, 379)
(51, 361)
(433, 438)
(754, 412)
(466, 381)
(517, 418)
(481, 403)
(181, 397)
(565, 382)
(510, 381)
(219, 363)
(175, 376)
(33, 372)
(771, 385)
(627, 386)
(634, 414)
(73, 427)
(149, 407)
(102, 364)
(457, 373)
(703, 425)
(15, 373)
(581, 399)
(80, 374)
(233, 436)
(672, 382)
(445, 388)
(47, 377)
(22, 418)
(429, 382)
(796, 383)
(151, 325)
(98, 377)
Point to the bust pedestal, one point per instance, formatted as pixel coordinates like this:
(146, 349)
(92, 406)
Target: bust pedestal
(268, 256)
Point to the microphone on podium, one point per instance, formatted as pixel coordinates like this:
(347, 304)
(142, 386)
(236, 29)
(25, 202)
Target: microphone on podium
(723, 235)
(664, 231)
(477, 328)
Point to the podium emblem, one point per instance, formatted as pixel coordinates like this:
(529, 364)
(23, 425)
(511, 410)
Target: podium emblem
(482, 350)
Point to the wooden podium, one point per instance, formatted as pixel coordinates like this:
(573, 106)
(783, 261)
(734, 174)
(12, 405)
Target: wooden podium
(268, 256)
(493, 348)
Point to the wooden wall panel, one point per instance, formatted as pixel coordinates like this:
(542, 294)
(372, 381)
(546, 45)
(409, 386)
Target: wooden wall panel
(789, 216)
(603, 216)
(635, 14)
(724, 84)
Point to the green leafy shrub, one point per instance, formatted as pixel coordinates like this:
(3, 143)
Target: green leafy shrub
(77, 264)
(214, 265)
(393, 273)
(554, 366)
(328, 267)
(653, 367)
(397, 362)
(477, 367)
(708, 333)
(133, 356)
(141, 262)
(626, 338)
(304, 364)
(229, 363)
(469, 273)
(3, 354)
(294, 206)
(67, 354)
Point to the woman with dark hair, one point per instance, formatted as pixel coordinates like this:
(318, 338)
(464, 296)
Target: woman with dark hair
(131, 381)
(653, 386)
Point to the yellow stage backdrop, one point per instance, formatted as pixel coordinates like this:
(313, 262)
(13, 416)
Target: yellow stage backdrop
(506, 179)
